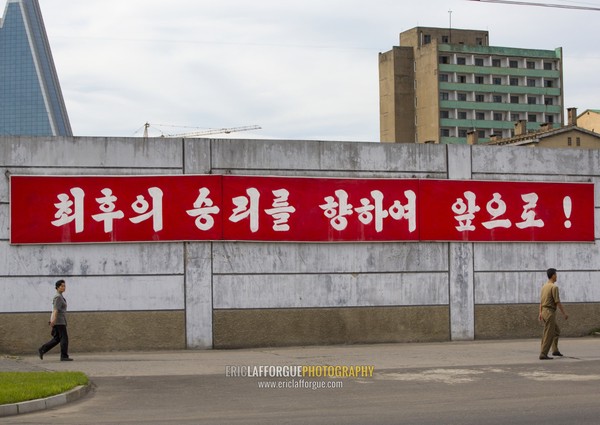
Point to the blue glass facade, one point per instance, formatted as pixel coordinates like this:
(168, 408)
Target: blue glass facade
(31, 102)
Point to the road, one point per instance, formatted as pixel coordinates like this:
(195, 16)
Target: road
(454, 391)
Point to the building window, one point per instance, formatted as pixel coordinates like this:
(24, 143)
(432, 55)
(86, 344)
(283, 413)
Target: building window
(444, 59)
(497, 81)
(497, 116)
(577, 141)
(426, 39)
(479, 98)
(461, 61)
(514, 81)
(530, 65)
(478, 61)
(515, 117)
(480, 116)
(444, 77)
(462, 79)
(445, 39)
(444, 114)
(531, 82)
(479, 79)
(462, 132)
(513, 64)
(479, 41)
(548, 83)
(461, 97)
(481, 134)
(548, 101)
(532, 118)
(445, 132)
(462, 115)
(548, 66)
(550, 119)
(444, 95)
(531, 100)
(569, 142)
(514, 99)
(497, 98)
(496, 63)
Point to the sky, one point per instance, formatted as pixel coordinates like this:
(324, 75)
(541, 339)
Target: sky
(300, 70)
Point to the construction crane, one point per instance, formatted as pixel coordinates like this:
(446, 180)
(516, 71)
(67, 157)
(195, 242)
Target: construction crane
(527, 3)
(201, 133)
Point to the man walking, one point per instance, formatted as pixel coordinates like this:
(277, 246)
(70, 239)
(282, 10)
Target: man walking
(550, 301)
(58, 322)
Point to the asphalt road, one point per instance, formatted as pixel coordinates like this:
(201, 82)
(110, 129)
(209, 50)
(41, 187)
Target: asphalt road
(562, 391)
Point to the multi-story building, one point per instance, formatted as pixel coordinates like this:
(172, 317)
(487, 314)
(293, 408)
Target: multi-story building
(442, 83)
(31, 101)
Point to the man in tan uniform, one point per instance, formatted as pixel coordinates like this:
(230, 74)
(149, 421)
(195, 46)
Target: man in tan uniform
(550, 301)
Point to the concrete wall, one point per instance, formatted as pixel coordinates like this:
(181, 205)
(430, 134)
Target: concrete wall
(236, 294)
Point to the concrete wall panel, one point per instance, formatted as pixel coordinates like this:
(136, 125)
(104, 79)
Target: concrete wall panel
(83, 171)
(461, 291)
(198, 295)
(333, 290)
(94, 293)
(521, 321)
(99, 259)
(370, 156)
(90, 152)
(250, 258)
(280, 327)
(197, 156)
(312, 155)
(536, 256)
(243, 154)
(101, 331)
(519, 160)
(459, 162)
(523, 288)
(4, 222)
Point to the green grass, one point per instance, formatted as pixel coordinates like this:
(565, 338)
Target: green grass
(22, 386)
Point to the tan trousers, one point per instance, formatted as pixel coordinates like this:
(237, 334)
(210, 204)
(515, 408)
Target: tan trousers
(551, 332)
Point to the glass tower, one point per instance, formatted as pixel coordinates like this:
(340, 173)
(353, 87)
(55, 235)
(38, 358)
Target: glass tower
(31, 102)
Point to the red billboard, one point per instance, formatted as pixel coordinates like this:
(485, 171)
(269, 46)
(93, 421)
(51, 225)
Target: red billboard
(95, 209)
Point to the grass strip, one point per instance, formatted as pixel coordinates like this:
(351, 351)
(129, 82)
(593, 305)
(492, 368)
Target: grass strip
(22, 386)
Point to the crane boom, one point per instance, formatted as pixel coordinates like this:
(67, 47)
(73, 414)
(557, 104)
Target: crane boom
(216, 131)
(528, 3)
(198, 133)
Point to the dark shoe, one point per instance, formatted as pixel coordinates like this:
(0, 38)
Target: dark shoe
(557, 354)
(544, 357)
(41, 353)
(66, 359)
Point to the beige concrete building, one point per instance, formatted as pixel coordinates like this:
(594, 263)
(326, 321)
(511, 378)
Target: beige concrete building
(590, 120)
(570, 136)
(442, 83)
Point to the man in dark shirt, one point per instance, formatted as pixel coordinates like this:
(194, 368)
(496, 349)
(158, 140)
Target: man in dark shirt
(58, 322)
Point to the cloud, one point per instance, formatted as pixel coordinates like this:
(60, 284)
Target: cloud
(298, 69)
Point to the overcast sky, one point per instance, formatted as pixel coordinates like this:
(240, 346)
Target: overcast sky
(300, 70)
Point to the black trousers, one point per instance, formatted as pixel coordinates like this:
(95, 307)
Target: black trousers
(59, 336)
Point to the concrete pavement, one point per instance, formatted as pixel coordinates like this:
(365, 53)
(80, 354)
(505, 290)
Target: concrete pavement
(168, 364)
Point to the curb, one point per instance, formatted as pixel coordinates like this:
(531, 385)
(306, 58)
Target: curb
(45, 403)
